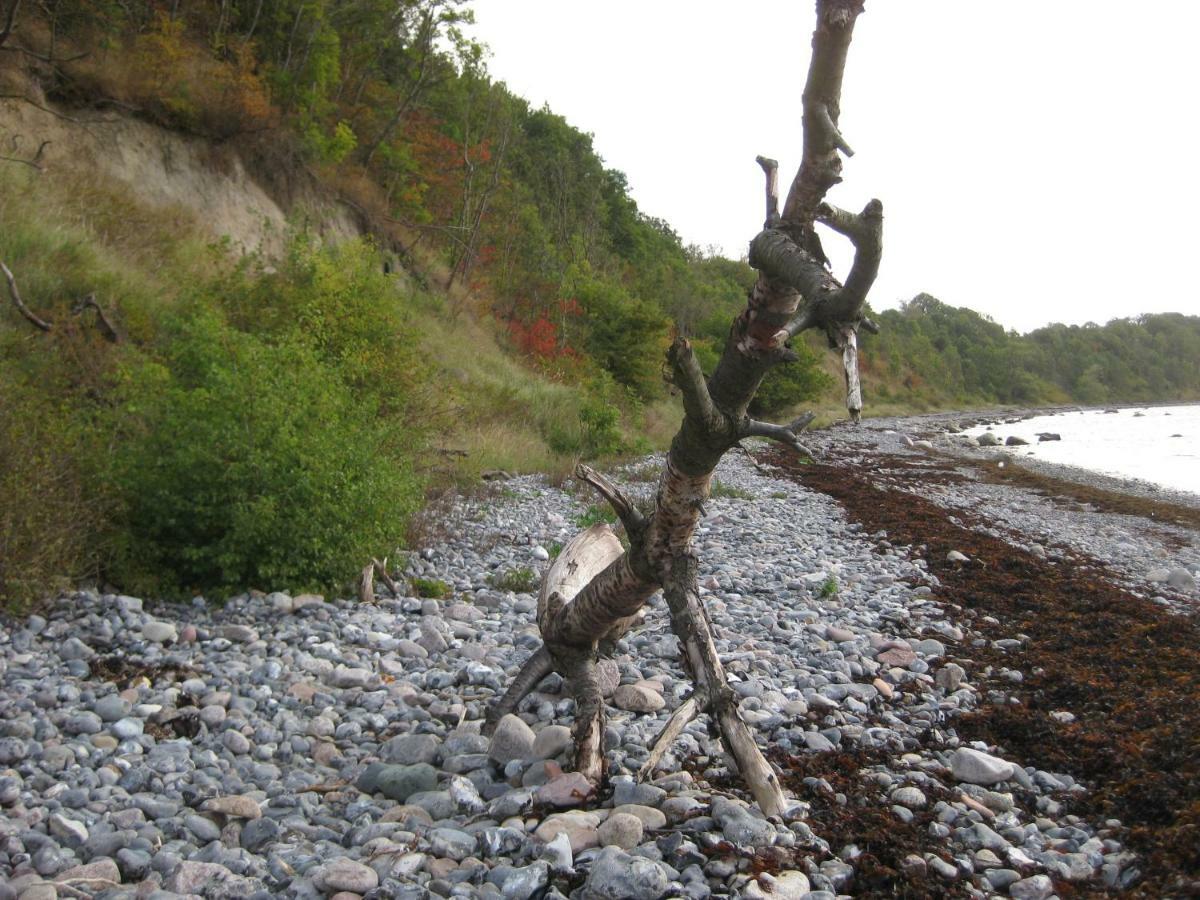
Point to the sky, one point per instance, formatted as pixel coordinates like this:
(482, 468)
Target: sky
(1038, 160)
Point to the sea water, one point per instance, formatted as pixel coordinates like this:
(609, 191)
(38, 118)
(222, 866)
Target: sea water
(1157, 444)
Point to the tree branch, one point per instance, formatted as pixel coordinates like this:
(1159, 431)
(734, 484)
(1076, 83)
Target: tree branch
(380, 568)
(687, 375)
(690, 624)
(595, 590)
(821, 167)
(777, 256)
(34, 162)
(630, 516)
(24, 310)
(865, 232)
(771, 169)
(537, 667)
(824, 122)
(847, 341)
(110, 332)
(696, 703)
(785, 434)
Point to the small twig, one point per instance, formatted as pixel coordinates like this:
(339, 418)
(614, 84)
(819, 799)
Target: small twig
(24, 310)
(750, 456)
(105, 325)
(9, 21)
(94, 885)
(326, 788)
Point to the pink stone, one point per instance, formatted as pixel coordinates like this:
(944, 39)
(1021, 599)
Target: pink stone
(896, 657)
(572, 789)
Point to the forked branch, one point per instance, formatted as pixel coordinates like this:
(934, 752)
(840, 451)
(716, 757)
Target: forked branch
(630, 516)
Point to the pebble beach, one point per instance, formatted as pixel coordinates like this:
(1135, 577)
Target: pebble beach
(896, 621)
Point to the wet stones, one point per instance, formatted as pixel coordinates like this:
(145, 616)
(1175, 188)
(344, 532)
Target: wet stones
(740, 826)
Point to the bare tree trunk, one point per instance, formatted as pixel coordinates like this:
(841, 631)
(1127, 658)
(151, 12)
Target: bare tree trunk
(795, 291)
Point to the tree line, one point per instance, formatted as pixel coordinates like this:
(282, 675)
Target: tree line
(930, 352)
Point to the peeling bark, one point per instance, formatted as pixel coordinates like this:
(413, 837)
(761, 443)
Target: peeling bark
(595, 591)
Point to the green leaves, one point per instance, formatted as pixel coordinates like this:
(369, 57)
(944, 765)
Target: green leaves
(273, 458)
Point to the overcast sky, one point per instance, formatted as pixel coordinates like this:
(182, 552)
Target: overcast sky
(1037, 159)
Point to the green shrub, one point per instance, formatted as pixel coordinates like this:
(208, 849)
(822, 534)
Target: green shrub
(251, 464)
(51, 510)
(597, 430)
(721, 489)
(596, 514)
(829, 587)
(521, 580)
(790, 384)
(433, 588)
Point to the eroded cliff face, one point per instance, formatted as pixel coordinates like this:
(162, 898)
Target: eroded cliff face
(217, 184)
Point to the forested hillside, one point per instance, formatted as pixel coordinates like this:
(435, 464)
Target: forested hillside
(273, 420)
(930, 353)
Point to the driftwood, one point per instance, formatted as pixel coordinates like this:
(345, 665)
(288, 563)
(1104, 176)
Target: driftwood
(103, 322)
(25, 311)
(602, 596)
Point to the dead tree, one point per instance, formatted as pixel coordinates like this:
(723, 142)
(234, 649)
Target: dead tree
(596, 590)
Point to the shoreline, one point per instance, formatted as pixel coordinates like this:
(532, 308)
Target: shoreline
(1074, 579)
(300, 746)
(942, 427)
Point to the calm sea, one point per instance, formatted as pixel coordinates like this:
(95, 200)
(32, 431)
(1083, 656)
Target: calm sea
(1158, 444)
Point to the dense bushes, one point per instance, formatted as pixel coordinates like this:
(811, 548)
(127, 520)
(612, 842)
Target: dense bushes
(52, 513)
(252, 464)
(256, 428)
(793, 383)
